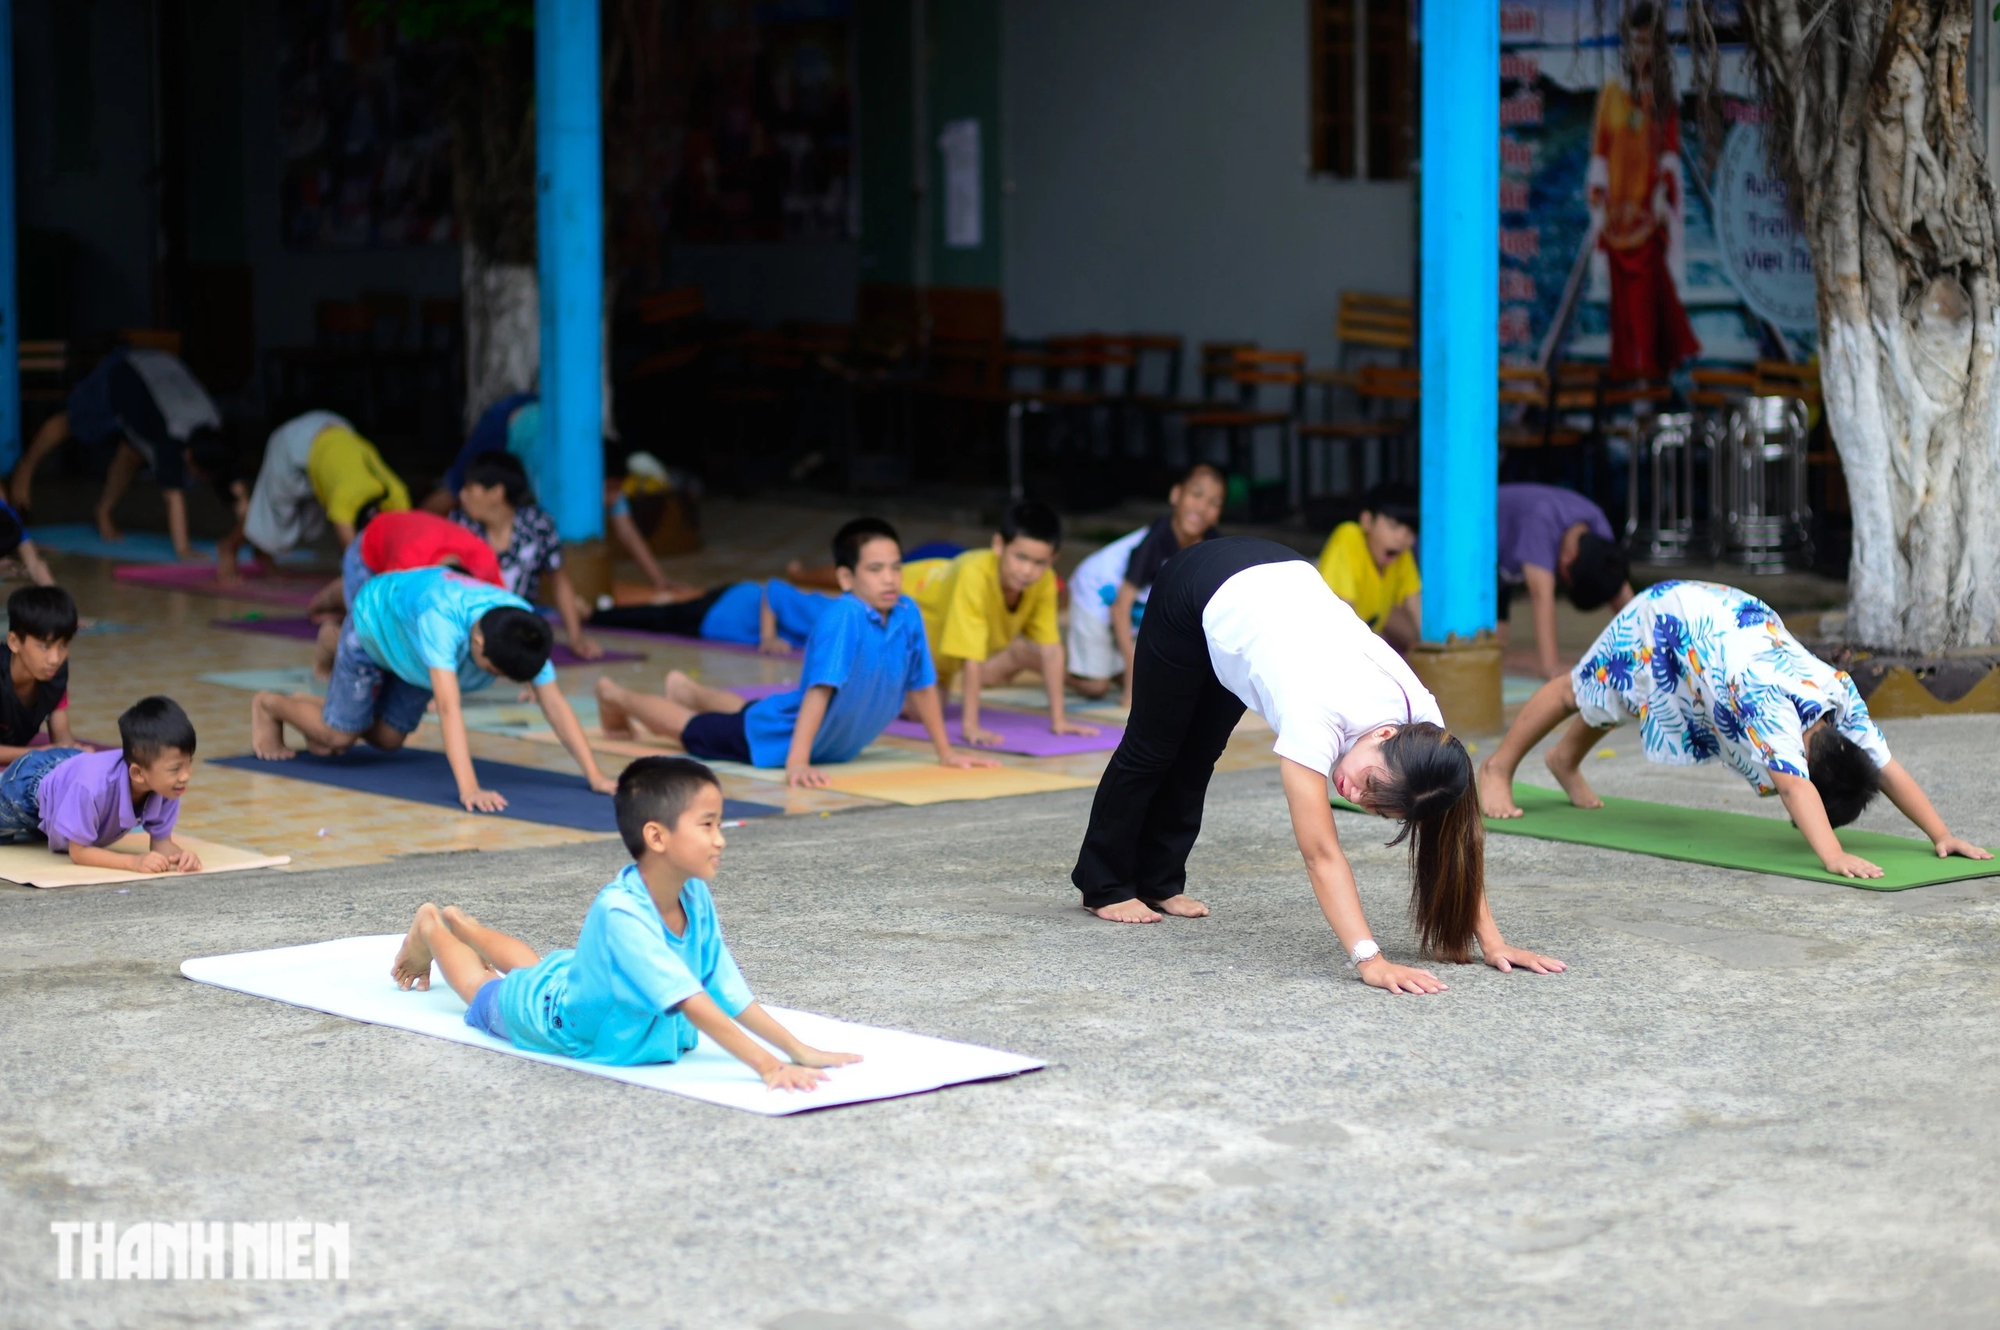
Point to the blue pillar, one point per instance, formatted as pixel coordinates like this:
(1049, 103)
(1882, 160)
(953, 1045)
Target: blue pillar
(10, 302)
(569, 219)
(1459, 317)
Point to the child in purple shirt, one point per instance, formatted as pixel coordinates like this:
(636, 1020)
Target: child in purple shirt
(86, 802)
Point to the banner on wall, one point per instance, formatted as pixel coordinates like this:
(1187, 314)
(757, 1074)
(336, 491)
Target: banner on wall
(1618, 244)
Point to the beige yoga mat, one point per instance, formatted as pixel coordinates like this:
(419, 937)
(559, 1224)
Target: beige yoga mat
(929, 783)
(36, 866)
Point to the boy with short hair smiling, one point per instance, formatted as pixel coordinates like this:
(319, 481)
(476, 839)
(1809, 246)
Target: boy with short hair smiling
(86, 802)
(1369, 564)
(412, 636)
(41, 623)
(992, 614)
(865, 659)
(650, 969)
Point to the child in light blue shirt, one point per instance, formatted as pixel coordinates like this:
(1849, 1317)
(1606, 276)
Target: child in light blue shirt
(650, 971)
(411, 637)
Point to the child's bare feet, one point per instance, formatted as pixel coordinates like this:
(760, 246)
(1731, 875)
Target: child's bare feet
(106, 528)
(612, 718)
(1181, 907)
(267, 732)
(1496, 790)
(1569, 775)
(413, 962)
(1127, 912)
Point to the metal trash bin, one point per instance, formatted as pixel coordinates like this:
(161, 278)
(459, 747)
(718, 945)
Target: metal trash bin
(1671, 449)
(1763, 521)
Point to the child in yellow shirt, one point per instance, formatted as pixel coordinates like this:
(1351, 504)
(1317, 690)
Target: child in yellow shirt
(991, 613)
(1369, 564)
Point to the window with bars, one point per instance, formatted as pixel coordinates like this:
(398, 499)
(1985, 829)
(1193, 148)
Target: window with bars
(1362, 81)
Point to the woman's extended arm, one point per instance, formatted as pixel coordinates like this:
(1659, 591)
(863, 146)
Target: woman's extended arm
(1333, 880)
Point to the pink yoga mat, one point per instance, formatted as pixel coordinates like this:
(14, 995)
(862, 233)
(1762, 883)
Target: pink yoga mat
(305, 630)
(1019, 733)
(199, 579)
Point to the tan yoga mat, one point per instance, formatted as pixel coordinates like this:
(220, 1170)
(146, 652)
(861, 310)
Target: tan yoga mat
(36, 866)
(929, 783)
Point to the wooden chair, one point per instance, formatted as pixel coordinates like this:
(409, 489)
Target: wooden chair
(1385, 416)
(151, 339)
(1369, 324)
(1218, 368)
(1270, 395)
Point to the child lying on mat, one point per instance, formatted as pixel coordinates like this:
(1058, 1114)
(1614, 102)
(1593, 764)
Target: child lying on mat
(413, 636)
(991, 613)
(41, 622)
(650, 968)
(866, 658)
(774, 616)
(84, 802)
(1710, 672)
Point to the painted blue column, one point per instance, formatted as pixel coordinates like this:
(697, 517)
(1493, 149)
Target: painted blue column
(1459, 315)
(10, 301)
(569, 220)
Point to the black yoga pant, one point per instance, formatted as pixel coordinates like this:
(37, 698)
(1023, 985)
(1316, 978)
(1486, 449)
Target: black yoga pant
(1147, 813)
(682, 619)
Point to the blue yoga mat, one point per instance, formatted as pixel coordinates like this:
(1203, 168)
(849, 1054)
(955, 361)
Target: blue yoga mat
(553, 798)
(137, 547)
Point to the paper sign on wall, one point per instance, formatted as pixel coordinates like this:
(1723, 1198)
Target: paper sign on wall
(963, 203)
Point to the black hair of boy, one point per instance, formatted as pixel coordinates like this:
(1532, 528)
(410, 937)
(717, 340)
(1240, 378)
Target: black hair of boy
(153, 725)
(847, 541)
(45, 613)
(1598, 571)
(518, 641)
(1033, 519)
(369, 512)
(214, 460)
(1209, 469)
(504, 470)
(1396, 500)
(656, 789)
(1843, 773)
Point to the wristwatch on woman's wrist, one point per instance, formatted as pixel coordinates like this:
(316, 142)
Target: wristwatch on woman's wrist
(1364, 950)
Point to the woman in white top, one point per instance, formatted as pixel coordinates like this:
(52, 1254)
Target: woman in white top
(1239, 622)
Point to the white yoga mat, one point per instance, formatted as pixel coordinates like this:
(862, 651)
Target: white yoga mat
(350, 977)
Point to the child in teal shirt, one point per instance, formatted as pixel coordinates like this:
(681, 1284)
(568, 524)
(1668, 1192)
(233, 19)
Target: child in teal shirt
(650, 970)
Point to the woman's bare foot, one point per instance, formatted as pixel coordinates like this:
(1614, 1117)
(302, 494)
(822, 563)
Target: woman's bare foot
(267, 732)
(612, 718)
(412, 968)
(1570, 777)
(1496, 790)
(1181, 907)
(1127, 912)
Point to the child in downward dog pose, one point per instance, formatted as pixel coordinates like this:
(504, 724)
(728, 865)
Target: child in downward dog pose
(1710, 672)
(650, 968)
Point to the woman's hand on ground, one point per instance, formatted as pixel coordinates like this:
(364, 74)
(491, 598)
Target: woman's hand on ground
(1852, 865)
(803, 777)
(1506, 959)
(483, 801)
(1377, 972)
(1951, 845)
(1071, 727)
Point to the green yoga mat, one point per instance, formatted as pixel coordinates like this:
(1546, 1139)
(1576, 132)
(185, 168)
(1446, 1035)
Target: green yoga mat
(1727, 840)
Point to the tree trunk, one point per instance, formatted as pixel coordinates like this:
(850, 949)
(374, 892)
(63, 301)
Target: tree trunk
(1875, 135)
(493, 187)
(503, 330)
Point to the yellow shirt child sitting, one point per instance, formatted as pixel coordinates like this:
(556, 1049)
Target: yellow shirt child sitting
(1369, 564)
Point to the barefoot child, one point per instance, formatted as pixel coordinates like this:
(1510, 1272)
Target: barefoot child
(1107, 594)
(395, 543)
(317, 471)
(865, 660)
(650, 968)
(41, 621)
(1551, 538)
(85, 802)
(412, 636)
(1710, 672)
(992, 613)
(775, 616)
(497, 503)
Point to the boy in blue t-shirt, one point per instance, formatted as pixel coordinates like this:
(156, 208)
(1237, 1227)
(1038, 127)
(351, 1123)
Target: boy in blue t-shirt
(864, 657)
(650, 969)
(412, 636)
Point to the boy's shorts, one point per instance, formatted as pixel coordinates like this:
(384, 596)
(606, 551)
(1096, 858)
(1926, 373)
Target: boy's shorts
(717, 736)
(362, 692)
(354, 573)
(1093, 651)
(20, 791)
(483, 1012)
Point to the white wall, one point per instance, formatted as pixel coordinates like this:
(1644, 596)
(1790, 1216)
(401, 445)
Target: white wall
(1156, 153)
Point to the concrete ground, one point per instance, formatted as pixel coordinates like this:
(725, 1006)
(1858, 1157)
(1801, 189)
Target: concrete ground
(1751, 1101)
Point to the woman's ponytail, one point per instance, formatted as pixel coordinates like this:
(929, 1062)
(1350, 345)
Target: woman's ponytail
(1432, 790)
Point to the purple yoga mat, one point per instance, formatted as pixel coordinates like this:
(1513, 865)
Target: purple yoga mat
(305, 630)
(1020, 733)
